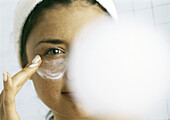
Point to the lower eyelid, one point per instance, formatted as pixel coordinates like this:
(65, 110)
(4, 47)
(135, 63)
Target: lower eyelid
(57, 56)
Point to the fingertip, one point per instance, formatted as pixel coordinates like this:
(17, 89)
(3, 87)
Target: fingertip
(36, 59)
(36, 62)
(5, 78)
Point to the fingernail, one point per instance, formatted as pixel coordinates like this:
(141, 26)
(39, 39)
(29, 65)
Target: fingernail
(33, 65)
(36, 59)
(4, 76)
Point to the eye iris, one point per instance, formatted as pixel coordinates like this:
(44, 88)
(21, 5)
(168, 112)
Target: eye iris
(54, 51)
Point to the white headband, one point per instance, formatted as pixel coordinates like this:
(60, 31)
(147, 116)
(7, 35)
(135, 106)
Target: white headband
(24, 8)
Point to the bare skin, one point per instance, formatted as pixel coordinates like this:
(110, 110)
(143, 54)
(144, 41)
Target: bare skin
(58, 23)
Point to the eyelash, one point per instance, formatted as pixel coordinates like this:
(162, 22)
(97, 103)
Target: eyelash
(59, 50)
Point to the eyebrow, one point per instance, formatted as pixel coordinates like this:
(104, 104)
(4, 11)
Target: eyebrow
(52, 41)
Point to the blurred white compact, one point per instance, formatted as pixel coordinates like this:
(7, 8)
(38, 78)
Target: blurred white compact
(119, 69)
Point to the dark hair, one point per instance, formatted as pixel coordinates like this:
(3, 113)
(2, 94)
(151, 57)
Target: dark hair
(31, 22)
(33, 18)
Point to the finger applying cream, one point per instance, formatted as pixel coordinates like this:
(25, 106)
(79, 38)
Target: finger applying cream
(35, 61)
(21, 77)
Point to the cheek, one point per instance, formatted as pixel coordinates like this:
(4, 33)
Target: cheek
(48, 91)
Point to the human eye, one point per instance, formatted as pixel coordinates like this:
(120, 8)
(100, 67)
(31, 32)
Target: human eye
(54, 51)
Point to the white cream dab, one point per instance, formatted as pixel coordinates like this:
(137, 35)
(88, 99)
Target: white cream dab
(52, 69)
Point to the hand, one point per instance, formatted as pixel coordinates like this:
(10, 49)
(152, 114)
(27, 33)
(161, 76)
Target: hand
(12, 87)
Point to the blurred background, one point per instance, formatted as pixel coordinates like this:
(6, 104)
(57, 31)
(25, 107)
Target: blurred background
(153, 12)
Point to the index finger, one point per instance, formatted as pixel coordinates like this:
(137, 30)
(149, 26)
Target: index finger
(21, 77)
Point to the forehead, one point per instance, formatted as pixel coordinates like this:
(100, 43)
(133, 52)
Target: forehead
(64, 22)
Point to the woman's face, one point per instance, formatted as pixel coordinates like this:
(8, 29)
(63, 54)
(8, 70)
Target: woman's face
(50, 38)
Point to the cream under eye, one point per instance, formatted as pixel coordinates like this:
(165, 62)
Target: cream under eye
(52, 69)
